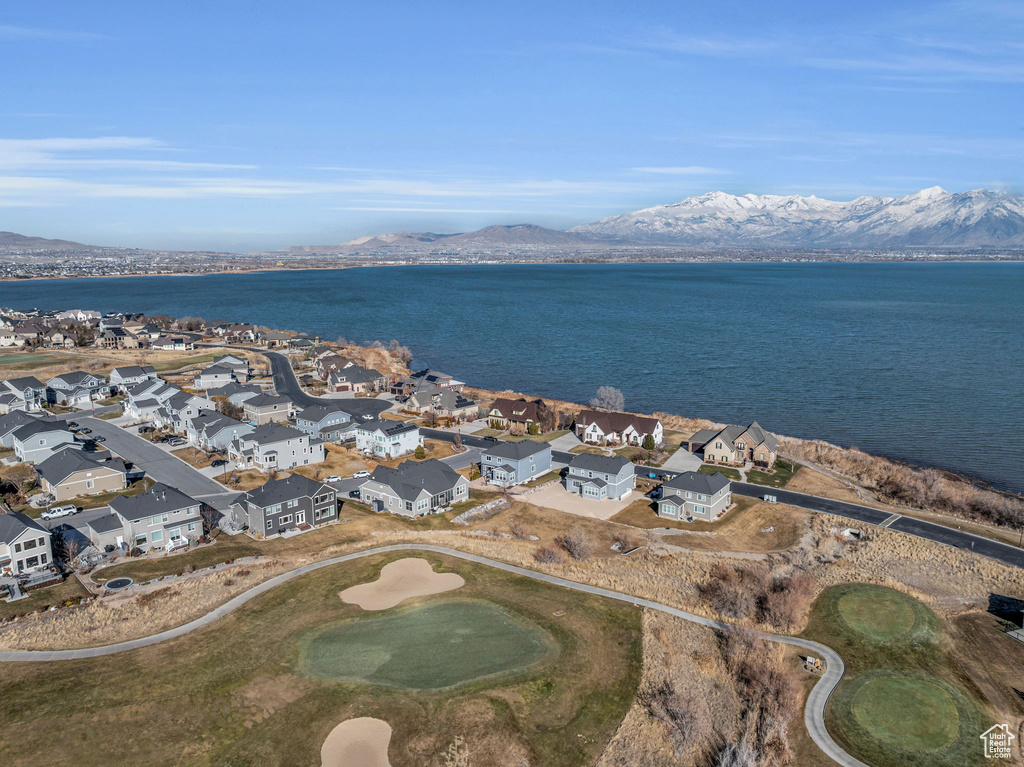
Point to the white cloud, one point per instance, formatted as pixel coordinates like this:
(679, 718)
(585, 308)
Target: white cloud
(9, 32)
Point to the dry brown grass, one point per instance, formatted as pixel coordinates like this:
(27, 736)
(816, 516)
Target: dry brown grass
(746, 529)
(194, 457)
(338, 461)
(434, 449)
(243, 481)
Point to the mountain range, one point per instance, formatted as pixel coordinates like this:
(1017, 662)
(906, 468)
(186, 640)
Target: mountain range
(12, 241)
(932, 218)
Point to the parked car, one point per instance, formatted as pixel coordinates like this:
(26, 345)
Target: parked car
(361, 474)
(354, 493)
(146, 429)
(86, 430)
(219, 462)
(333, 478)
(59, 511)
(99, 438)
(176, 442)
(491, 439)
(72, 425)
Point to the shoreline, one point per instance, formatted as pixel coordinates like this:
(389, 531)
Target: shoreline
(600, 262)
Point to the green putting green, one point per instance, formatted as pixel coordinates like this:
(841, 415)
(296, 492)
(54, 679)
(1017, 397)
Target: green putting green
(907, 711)
(878, 612)
(428, 647)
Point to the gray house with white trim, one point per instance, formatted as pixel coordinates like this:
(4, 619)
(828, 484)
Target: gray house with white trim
(289, 503)
(35, 442)
(692, 495)
(161, 518)
(275, 446)
(327, 423)
(600, 476)
(414, 488)
(512, 463)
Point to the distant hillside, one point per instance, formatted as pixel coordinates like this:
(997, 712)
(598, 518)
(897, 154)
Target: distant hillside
(13, 241)
(931, 218)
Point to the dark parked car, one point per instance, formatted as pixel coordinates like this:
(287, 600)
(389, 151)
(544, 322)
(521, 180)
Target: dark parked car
(353, 493)
(491, 439)
(72, 425)
(219, 462)
(99, 438)
(86, 430)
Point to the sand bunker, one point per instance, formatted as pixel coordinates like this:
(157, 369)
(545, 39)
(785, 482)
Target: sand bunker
(359, 742)
(398, 581)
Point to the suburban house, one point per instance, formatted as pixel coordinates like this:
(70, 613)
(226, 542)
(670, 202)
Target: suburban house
(173, 343)
(443, 402)
(736, 445)
(180, 408)
(240, 334)
(424, 379)
(161, 518)
(11, 422)
(10, 338)
(608, 428)
(56, 338)
(414, 488)
(600, 476)
(275, 446)
(125, 377)
(692, 495)
(265, 408)
(30, 391)
(239, 366)
(76, 388)
(387, 439)
(24, 544)
(214, 377)
(356, 379)
(117, 338)
(275, 338)
(146, 398)
(286, 504)
(211, 430)
(503, 412)
(512, 463)
(35, 442)
(326, 423)
(235, 393)
(71, 473)
(331, 362)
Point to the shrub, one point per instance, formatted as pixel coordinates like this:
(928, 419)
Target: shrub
(517, 529)
(576, 542)
(420, 453)
(549, 555)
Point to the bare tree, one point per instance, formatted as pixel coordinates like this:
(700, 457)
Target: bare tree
(685, 716)
(517, 529)
(549, 555)
(608, 398)
(577, 543)
(211, 518)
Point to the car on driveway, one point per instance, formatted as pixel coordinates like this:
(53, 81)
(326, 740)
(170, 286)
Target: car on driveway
(59, 511)
(354, 493)
(361, 474)
(177, 442)
(72, 425)
(218, 463)
(86, 430)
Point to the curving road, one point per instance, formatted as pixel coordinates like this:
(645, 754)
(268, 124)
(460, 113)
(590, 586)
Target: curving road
(287, 385)
(814, 711)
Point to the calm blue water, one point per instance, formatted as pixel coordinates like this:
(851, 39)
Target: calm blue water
(916, 361)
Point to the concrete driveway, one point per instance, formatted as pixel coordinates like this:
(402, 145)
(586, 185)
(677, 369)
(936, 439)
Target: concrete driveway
(558, 498)
(682, 460)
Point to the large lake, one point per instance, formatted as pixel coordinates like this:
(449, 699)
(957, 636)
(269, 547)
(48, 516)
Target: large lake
(923, 362)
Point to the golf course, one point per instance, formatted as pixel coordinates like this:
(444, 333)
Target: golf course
(904, 700)
(507, 664)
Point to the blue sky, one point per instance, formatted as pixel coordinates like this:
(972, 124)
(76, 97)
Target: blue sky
(258, 125)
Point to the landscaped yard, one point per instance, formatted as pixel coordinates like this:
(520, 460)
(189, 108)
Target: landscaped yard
(241, 691)
(46, 597)
(224, 549)
(783, 472)
(434, 448)
(903, 700)
(732, 474)
(96, 501)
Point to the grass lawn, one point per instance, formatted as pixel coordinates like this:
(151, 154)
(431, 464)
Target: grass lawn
(111, 400)
(58, 409)
(592, 449)
(6, 451)
(784, 471)
(109, 416)
(903, 700)
(177, 363)
(732, 474)
(488, 433)
(224, 549)
(10, 361)
(338, 461)
(102, 499)
(47, 597)
(238, 693)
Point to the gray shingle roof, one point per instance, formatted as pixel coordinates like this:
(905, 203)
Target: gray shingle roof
(695, 482)
(263, 400)
(40, 426)
(14, 524)
(281, 490)
(390, 428)
(105, 524)
(516, 451)
(158, 499)
(603, 463)
(411, 478)
(63, 464)
(273, 432)
(28, 382)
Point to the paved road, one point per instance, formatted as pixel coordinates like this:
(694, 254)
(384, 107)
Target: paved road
(287, 385)
(814, 711)
(158, 464)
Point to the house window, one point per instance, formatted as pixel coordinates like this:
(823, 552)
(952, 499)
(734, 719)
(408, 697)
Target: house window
(158, 519)
(269, 524)
(699, 510)
(689, 494)
(293, 503)
(718, 445)
(286, 519)
(158, 535)
(700, 497)
(191, 527)
(140, 540)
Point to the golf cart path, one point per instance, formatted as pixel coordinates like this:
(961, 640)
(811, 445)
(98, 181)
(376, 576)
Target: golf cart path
(814, 711)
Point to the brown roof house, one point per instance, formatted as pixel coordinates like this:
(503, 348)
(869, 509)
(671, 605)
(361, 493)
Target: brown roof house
(504, 412)
(736, 445)
(608, 428)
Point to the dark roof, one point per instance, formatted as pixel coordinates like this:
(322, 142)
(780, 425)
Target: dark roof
(317, 413)
(215, 369)
(14, 524)
(229, 389)
(517, 409)
(603, 463)
(213, 422)
(16, 419)
(105, 524)
(357, 374)
(158, 499)
(273, 432)
(695, 482)
(517, 451)
(732, 433)
(39, 426)
(390, 428)
(63, 464)
(617, 422)
(28, 382)
(75, 377)
(261, 400)
(411, 478)
(280, 490)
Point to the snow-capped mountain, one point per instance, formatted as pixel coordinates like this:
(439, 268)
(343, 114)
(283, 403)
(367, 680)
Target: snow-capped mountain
(932, 218)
